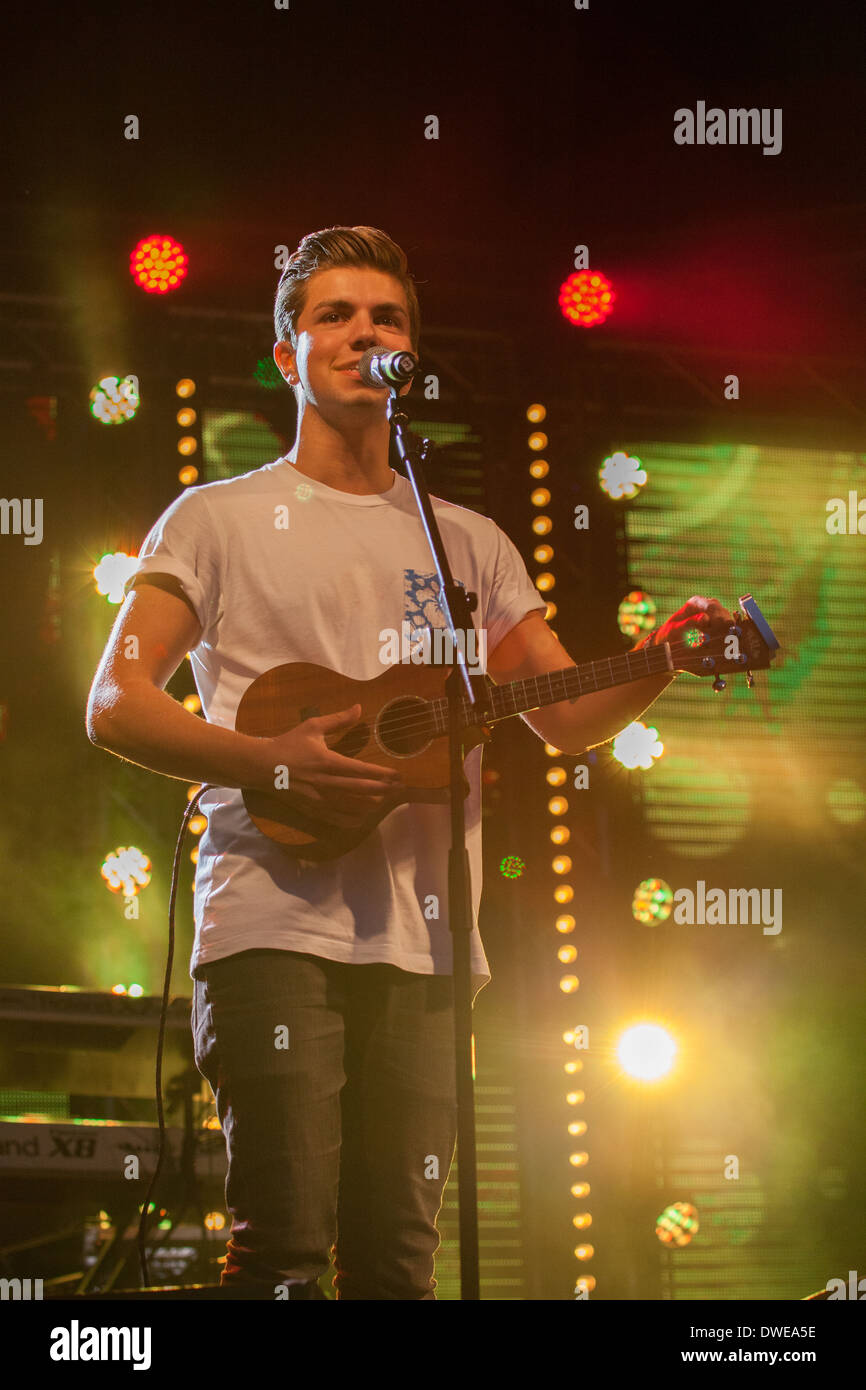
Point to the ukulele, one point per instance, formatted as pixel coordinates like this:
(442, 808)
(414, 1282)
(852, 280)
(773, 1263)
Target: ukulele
(404, 719)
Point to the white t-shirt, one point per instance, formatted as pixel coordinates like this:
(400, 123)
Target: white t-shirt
(322, 589)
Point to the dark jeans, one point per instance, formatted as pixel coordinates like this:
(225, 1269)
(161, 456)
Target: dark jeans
(347, 1133)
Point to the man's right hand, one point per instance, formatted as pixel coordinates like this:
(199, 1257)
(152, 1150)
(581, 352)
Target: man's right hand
(343, 790)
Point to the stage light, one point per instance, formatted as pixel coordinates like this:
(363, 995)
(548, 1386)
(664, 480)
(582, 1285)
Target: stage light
(582, 1220)
(577, 1127)
(539, 468)
(158, 264)
(193, 855)
(186, 417)
(621, 476)
(511, 866)
(188, 474)
(550, 612)
(652, 901)
(125, 871)
(538, 440)
(540, 497)
(112, 573)
(570, 1067)
(637, 745)
(535, 414)
(557, 805)
(185, 388)
(578, 1160)
(580, 1189)
(551, 751)
(567, 954)
(569, 983)
(187, 445)
(564, 893)
(678, 1224)
(542, 525)
(560, 834)
(119, 989)
(636, 614)
(561, 864)
(565, 923)
(556, 776)
(543, 554)
(646, 1051)
(586, 298)
(584, 1252)
(585, 1284)
(193, 791)
(544, 582)
(114, 399)
(135, 991)
(197, 824)
(575, 1097)
(192, 703)
(214, 1221)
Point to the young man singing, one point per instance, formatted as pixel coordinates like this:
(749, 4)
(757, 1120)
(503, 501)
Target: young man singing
(330, 1138)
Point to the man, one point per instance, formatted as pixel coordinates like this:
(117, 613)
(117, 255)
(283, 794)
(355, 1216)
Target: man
(350, 1130)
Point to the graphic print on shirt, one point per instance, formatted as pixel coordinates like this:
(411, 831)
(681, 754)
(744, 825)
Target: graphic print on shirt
(421, 603)
(425, 634)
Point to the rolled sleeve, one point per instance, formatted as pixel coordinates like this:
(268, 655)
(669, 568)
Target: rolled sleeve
(512, 593)
(186, 542)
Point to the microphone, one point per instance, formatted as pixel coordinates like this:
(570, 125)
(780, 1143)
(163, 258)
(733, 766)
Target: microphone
(379, 367)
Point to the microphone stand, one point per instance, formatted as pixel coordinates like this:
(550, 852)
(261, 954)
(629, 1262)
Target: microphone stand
(456, 605)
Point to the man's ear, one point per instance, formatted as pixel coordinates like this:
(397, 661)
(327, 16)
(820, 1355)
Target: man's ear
(284, 356)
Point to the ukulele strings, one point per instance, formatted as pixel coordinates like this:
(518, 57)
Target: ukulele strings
(422, 720)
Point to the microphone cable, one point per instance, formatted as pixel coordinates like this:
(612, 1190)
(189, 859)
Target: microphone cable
(163, 1018)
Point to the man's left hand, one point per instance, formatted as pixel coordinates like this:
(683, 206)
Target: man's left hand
(707, 614)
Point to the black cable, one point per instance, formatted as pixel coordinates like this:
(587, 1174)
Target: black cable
(142, 1224)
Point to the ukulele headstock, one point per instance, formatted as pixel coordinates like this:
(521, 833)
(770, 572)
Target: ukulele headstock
(746, 645)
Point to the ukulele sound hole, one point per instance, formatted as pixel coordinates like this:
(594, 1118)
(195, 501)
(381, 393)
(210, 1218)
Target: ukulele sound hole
(405, 727)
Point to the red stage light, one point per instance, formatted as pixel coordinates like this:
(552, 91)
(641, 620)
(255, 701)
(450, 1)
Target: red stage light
(158, 264)
(586, 298)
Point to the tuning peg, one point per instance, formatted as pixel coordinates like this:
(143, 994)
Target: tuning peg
(719, 684)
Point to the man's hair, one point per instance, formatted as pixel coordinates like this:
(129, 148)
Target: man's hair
(336, 246)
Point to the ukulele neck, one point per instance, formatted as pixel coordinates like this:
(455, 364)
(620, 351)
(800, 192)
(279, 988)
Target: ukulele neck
(536, 692)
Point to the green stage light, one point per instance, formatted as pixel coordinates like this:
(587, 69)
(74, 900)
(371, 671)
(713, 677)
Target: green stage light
(678, 1224)
(652, 901)
(636, 614)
